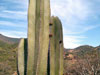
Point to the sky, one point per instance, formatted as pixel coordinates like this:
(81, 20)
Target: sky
(80, 20)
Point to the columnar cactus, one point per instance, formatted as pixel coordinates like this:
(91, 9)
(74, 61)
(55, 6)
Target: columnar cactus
(38, 39)
(56, 47)
(52, 46)
(34, 60)
(22, 57)
(43, 38)
(61, 48)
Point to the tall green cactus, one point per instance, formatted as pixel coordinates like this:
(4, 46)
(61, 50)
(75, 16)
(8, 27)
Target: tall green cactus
(45, 40)
(52, 46)
(22, 57)
(31, 36)
(59, 46)
(61, 49)
(35, 59)
(56, 47)
(38, 39)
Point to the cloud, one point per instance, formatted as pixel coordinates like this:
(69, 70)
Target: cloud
(13, 24)
(78, 17)
(16, 12)
(14, 34)
(2, 8)
(70, 9)
(23, 3)
(14, 9)
(13, 18)
(73, 41)
(17, 15)
(80, 30)
(73, 13)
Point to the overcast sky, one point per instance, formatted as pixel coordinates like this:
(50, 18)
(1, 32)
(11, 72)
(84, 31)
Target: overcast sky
(80, 20)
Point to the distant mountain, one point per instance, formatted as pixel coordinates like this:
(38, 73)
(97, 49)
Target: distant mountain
(84, 48)
(8, 55)
(81, 59)
(8, 40)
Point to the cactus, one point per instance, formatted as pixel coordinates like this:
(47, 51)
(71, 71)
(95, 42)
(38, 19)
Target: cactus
(45, 40)
(22, 57)
(37, 59)
(61, 49)
(38, 40)
(52, 47)
(56, 47)
(31, 36)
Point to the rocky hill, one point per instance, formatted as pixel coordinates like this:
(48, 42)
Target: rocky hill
(82, 60)
(8, 40)
(8, 55)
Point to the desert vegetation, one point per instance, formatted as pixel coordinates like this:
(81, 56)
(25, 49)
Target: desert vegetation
(7, 58)
(83, 60)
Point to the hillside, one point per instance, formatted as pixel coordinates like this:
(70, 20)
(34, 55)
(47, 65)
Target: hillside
(8, 40)
(8, 53)
(83, 60)
(84, 47)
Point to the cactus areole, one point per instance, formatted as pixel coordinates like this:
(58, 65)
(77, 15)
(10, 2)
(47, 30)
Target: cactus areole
(50, 35)
(40, 53)
(50, 24)
(60, 41)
